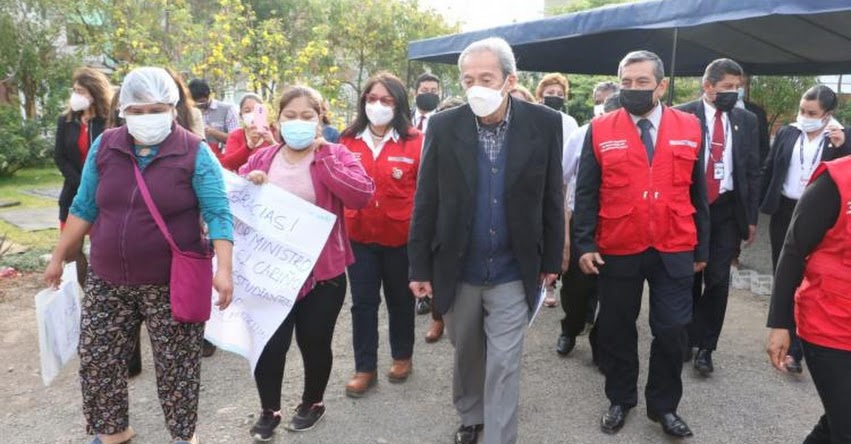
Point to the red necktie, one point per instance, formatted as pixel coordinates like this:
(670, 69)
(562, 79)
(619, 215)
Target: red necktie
(420, 125)
(716, 154)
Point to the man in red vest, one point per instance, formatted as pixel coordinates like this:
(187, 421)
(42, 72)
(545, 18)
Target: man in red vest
(641, 213)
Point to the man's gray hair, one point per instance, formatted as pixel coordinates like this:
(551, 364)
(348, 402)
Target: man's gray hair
(606, 86)
(498, 47)
(644, 56)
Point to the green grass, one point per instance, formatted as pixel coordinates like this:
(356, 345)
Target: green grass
(40, 242)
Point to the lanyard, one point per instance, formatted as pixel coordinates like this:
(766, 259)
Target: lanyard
(816, 156)
(708, 139)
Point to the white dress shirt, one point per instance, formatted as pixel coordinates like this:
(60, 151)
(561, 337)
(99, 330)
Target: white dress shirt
(798, 175)
(376, 149)
(727, 155)
(419, 116)
(570, 162)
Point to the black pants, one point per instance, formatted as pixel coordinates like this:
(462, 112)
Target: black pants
(830, 368)
(777, 228)
(313, 319)
(375, 267)
(712, 285)
(578, 295)
(670, 312)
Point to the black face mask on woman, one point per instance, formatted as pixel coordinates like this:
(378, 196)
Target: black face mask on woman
(637, 102)
(554, 102)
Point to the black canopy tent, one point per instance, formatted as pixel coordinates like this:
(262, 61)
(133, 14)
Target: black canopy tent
(770, 37)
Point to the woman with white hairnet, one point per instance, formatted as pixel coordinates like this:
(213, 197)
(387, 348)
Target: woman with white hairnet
(129, 274)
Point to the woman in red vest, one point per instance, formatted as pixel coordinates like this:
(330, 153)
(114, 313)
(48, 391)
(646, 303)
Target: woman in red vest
(813, 291)
(389, 149)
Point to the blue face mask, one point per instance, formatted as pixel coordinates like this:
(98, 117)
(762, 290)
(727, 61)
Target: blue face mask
(299, 134)
(741, 92)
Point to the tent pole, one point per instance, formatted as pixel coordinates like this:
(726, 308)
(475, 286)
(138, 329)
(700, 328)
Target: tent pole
(673, 65)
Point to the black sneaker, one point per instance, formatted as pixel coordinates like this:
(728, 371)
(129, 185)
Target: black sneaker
(305, 418)
(265, 426)
(207, 349)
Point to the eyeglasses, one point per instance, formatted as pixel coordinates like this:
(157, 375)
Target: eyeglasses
(385, 100)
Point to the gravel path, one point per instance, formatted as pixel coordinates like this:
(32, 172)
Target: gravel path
(745, 401)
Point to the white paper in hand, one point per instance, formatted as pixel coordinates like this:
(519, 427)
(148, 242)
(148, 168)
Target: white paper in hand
(58, 317)
(539, 302)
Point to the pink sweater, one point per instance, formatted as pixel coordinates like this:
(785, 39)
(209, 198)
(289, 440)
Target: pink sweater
(339, 180)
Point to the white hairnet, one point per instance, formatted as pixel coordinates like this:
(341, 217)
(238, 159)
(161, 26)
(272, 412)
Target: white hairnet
(147, 85)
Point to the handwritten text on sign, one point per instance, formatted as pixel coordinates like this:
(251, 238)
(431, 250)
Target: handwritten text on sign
(277, 239)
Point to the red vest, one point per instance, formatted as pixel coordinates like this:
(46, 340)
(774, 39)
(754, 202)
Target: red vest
(823, 301)
(387, 217)
(641, 205)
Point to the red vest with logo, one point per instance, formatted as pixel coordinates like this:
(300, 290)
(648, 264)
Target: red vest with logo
(823, 301)
(642, 205)
(387, 217)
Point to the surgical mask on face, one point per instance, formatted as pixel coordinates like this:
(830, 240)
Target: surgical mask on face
(299, 134)
(741, 93)
(149, 129)
(379, 114)
(484, 101)
(79, 102)
(725, 101)
(637, 102)
(810, 124)
(599, 110)
(554, 102)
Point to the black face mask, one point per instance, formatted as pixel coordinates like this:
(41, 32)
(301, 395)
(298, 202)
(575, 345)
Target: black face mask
(554, 102)
(725, 101)
(427, 101)
(637, 102)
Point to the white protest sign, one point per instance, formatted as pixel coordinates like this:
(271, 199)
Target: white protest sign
(277, 240)
(58, 317)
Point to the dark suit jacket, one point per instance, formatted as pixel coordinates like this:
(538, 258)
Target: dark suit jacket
(777, 163)
(67, 156)
(445, 197)
(587, 208)
(746, 183)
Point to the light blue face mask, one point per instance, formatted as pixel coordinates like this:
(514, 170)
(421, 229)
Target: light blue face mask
(299, 134)
(741, 92)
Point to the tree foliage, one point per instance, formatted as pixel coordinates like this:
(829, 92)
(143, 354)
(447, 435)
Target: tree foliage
(779, 95)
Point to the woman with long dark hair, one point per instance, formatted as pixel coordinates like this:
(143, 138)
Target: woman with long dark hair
(798, 148)
(78, 127)
(389, 149)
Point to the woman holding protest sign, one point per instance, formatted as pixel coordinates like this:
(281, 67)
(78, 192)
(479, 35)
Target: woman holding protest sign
(331, 177)
(389, 148)
(144, 188)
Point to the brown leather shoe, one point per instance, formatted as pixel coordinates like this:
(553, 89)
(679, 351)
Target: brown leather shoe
(435, 331)
(360, 384)
(400, 370)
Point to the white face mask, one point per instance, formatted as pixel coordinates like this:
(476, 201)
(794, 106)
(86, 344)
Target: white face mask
(598, 110)
(378, 114)
(809, 124)
(484, 101)
(149, 129)
(79, 102)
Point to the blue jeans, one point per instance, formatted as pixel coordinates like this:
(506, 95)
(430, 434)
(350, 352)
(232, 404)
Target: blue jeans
(377, 266)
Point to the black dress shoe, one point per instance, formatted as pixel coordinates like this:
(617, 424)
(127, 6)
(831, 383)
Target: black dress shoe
(793, 365)
(565, 344)
(703, 362)
(468, 434)
(614, 419)
(423, 306)
(672, 424)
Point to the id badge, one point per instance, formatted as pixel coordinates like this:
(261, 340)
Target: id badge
(718, 169)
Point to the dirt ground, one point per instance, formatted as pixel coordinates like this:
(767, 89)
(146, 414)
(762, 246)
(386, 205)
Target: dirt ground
(745, 401)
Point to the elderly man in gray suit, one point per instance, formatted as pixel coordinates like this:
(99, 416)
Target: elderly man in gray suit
(487, 232)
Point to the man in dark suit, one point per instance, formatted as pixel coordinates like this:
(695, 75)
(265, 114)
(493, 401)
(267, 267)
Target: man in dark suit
(641, 215)
(487, 232)
(731, 162)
